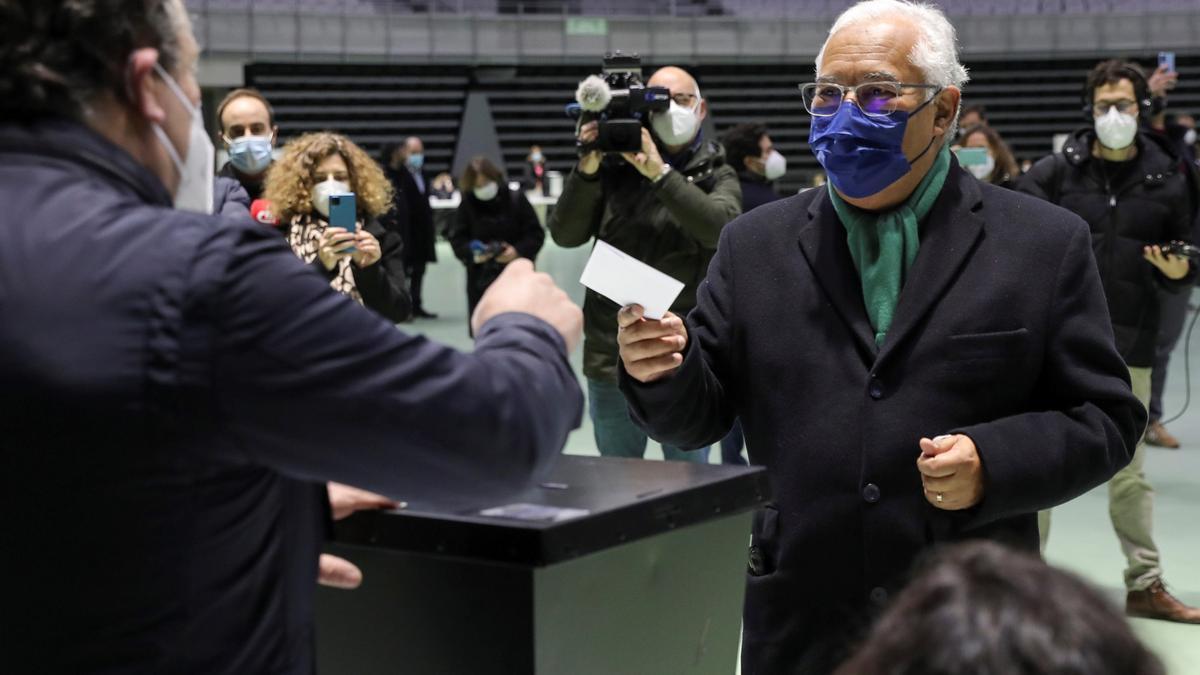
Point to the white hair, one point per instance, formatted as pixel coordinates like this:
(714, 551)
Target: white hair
(935, 52)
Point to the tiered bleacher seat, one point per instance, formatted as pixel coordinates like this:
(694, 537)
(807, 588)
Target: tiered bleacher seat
(371, 104)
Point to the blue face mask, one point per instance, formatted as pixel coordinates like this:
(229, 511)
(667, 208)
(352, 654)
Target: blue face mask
(862, 155)
(415, 161)
(250, 154)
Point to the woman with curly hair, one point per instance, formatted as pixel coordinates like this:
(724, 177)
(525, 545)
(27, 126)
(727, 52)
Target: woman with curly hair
(364, 264)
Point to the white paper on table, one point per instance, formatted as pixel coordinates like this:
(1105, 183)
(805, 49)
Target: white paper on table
(627, 281)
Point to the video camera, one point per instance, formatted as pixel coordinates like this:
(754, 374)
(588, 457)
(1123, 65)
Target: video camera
(620, 102)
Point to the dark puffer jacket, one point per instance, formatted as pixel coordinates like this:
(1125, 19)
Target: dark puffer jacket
(1128, 205)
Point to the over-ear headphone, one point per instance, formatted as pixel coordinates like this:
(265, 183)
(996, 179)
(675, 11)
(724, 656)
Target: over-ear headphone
(1141, 89)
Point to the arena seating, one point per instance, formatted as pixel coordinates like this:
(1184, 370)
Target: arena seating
(1028, 101)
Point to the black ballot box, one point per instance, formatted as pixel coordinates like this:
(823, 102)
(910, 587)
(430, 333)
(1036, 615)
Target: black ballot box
(608, 567)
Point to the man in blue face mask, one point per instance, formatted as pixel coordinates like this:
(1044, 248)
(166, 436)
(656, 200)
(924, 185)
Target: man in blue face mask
(249, 132)
(915, 356)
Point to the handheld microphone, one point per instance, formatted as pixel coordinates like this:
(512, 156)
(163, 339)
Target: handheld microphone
(261, 211)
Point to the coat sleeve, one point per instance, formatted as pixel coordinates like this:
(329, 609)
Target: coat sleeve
(576, 216)
(1039, 180)
(1183, 220)
(460, 233)
(1086, 420)
(532, 235)
(691, 408)
(702, 214)
(382, 285)
(314, 387)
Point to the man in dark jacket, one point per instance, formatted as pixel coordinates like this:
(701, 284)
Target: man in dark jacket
(1128, 187)
(178, 387)
(749, 150)
(912, 360)
(249, 132)
(664, 206)
(412, 218)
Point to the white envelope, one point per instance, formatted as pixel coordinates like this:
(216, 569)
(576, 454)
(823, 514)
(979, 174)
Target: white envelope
(627, 281)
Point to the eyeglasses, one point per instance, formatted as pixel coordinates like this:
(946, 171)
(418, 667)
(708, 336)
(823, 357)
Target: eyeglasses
(1125, 107)
(684, 100)
(875, 99)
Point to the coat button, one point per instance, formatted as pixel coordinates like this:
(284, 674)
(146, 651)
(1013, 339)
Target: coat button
(875, 389)
(879, 595)
(871, 493)
(757, 563)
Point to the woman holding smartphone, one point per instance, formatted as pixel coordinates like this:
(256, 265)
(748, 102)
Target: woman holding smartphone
(364, 263)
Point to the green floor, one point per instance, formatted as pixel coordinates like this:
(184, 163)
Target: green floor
(1082, 536)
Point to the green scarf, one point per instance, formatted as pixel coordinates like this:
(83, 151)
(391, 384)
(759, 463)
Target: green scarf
(884, 245)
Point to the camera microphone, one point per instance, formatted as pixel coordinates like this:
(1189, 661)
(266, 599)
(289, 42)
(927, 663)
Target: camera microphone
(593, 94)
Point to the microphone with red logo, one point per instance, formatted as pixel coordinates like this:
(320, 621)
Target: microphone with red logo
(262, 211)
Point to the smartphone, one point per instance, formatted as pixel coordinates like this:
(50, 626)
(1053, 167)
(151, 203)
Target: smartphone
(343, 213)
(972, 156)
(1167, 59)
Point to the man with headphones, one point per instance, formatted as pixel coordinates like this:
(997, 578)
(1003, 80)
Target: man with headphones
(1128, 187)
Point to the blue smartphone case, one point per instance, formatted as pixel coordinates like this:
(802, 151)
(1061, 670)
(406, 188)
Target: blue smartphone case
(343, 213)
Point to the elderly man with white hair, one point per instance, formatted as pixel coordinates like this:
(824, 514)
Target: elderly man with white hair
(915, 356)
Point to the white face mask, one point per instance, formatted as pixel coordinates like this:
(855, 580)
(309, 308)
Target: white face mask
(486, 193)
(321, 192)
(195, 168)
(1116, 130)
(678, 125)
(983, 171)
(775, 166)
(1189, 137)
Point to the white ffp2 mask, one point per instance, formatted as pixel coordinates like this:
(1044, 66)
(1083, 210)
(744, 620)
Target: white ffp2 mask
(678, 125)
(321, 192)
(1115, 129)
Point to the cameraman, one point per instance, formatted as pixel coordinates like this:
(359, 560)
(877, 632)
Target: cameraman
(665, 206)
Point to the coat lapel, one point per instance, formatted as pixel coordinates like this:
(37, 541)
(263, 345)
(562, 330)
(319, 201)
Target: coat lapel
(948, 236)
(823, 241)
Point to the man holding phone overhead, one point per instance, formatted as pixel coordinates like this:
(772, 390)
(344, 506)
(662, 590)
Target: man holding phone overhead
(917, 357)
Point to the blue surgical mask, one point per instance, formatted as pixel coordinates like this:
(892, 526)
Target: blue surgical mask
(536, 157)
(250, 154)
(861, 154)
(415, 161)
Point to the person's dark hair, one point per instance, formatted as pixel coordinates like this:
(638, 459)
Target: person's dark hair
(1006, 163)
(1113, 71)
(245, 92)
(977, 109)
(56, 55)
(741, 142)
(981, 609)
(478, 167)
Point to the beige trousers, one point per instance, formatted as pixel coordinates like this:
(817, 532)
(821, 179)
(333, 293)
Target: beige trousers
(1130, 506)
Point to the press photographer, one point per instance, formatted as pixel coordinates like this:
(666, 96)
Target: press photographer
(663, 200)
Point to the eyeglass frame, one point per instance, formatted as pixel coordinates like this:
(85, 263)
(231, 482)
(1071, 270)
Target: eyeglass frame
(1124, 106)
(900, 86)
(692, 98)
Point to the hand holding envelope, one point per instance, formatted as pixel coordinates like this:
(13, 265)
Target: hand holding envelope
(651, 339)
